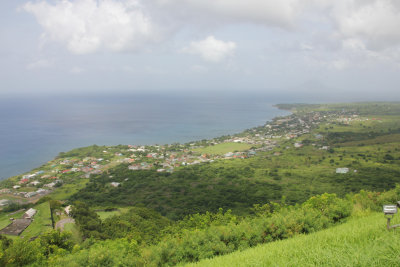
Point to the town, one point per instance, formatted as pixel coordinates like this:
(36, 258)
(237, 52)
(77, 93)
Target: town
(67, 167)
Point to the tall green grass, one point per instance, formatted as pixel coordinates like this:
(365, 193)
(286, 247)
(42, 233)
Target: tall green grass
(41, 221)
(362, 241)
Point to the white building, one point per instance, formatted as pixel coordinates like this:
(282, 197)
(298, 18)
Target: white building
(342, 170)
(68, 210)
(115, 184)
(298, 145)
(29, 213)
(4, 202)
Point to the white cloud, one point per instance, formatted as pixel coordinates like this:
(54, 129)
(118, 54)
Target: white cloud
(376, 23)
(357, 27)
(87, 26)
(211, 49)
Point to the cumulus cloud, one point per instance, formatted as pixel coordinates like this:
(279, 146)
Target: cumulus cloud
(362, 27)
(211, 49)
(87, 26)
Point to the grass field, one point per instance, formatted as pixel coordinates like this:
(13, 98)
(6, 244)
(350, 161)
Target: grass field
(76, 236)
(41, 221)
(223, 148)
(106, 214)
(68, 190)
(5, 218)
(363, 241)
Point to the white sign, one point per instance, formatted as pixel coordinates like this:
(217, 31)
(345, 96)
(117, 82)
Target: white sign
(389, 209)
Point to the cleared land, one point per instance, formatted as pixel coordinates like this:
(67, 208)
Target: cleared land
(41, 222)
(5, 217)
(106, 214)
(68, 190)
(16, 227)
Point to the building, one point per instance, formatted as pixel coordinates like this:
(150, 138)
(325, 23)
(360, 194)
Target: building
(5, 191)
(115, 184)
(29, 214)
(4, 202)
(342, 170)
(68, 210)
(298, 145)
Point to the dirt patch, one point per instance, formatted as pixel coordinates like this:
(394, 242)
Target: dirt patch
(16, 227)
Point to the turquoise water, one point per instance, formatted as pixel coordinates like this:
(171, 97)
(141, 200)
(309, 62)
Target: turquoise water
(35, 130)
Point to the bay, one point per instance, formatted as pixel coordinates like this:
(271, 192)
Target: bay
(33, 130)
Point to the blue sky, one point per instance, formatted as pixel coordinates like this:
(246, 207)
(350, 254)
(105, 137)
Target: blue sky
(343, 49)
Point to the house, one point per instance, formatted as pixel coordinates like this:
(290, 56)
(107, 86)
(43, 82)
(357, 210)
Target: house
(28, 176)
(5, 191)
(134, 167)
(68, 210)
(342, 170)
(35, 183)
(4, 202)
(30, 194)
(24, 180)
(128, 160)
(42, 191)
(29, 214)
(16, 186)
(115, 184)
(228, 155)
(50, 185)
(298, 145)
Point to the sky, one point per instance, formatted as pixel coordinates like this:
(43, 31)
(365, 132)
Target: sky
(342, 49)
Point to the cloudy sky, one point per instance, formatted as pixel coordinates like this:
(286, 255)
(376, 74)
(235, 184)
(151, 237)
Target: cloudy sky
(346, 48)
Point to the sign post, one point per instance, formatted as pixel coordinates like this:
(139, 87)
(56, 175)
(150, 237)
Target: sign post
(390, 211)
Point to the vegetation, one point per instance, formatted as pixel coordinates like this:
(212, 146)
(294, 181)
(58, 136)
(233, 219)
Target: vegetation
(223, 148)
(237, 184)
(204, 236)
(325, 166)
(363, 241)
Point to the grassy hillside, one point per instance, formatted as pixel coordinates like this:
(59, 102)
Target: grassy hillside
(41, 222)
(271, 187)
(295, 168)
(363, 241)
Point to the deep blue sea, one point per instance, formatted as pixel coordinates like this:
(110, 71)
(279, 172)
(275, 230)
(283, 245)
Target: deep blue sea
(33, 130)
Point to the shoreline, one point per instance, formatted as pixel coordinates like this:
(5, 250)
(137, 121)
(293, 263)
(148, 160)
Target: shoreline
(49, 159)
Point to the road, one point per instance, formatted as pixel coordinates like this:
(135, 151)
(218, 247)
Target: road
(60, 224)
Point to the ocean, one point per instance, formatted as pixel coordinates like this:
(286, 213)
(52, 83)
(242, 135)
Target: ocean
(33, 130)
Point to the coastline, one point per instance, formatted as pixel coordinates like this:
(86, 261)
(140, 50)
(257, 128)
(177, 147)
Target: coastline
(51, 156)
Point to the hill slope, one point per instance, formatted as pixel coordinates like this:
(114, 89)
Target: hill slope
(362, 241)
